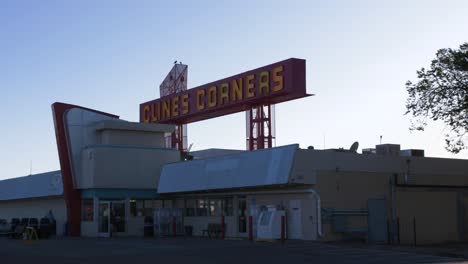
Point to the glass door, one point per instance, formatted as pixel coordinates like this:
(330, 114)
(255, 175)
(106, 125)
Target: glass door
(118, 216)
(104, 219)
(242, 215)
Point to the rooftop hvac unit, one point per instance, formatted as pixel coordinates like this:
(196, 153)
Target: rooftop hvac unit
(412, 153)
(388, 149)
(368, 151)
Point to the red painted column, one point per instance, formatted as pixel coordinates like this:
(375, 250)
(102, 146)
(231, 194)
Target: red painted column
(223, 231)
(268, 121)
(283, 228)
(251, 140)
(250, 228)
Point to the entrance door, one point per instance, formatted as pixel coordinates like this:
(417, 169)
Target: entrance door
(377, 221)
(295, 220)
(111, 218)
(117, 215)
(242, 216)
(104, 219)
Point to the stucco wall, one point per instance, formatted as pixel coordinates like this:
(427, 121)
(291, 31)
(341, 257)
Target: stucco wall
(431, 207)
(35, 208)
(122, 167)
(303, 171)
(132, 138)
(89, 228)
(351, 190)
(135, 226)
(435, 213)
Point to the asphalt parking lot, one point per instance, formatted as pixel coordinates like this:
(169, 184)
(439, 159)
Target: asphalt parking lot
(180, 250)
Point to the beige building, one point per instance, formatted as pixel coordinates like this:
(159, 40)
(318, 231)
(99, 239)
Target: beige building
(380, 197)
(124, 174)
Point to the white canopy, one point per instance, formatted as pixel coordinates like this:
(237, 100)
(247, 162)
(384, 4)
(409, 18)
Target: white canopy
(246, 169)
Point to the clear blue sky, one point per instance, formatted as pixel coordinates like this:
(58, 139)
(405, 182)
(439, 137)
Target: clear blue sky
(112, 55)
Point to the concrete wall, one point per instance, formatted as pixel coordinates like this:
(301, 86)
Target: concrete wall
(89, 229)
(81, 133)
(132, 138)
(319, 160)
(435, 213)
(88, 130)
(432, 207)
(135, 226)
(346, 181)
(122, 167)
(351, 191)
(35, 208)
(303, 171)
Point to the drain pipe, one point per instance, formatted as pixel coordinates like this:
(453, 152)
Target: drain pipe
(319, 212)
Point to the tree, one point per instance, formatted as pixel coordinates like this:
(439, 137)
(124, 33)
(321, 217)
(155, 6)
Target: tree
(441, 93)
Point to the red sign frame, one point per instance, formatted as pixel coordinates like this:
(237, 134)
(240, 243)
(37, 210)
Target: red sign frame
(271, 84)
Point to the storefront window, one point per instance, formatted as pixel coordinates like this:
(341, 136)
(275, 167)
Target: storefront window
(148, 203)
(87, 210)
(144, 207)
(158, 204)
(216, 208)
(190, 205)
(202, 207)
(228, 207)
(168, 204)
(133, 209)
(209, 207)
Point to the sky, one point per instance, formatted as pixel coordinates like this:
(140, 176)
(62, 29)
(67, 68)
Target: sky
(112, 56)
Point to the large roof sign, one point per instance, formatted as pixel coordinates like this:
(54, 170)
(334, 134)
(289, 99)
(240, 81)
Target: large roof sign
(274, 83)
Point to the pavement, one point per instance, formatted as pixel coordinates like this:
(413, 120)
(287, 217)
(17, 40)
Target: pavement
(456, 250)
(195, 250)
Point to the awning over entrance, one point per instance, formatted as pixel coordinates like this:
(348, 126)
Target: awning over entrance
(247, 169)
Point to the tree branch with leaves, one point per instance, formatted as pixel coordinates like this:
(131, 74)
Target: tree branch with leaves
(441, 93)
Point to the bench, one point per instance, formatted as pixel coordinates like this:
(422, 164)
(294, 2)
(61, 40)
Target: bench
(213, 230)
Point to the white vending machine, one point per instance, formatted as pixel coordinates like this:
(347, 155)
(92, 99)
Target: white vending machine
(269, 224)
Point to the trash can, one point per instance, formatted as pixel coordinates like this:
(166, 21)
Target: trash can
(65, 229)
(188, 230)
(44, 228)
(148, 229)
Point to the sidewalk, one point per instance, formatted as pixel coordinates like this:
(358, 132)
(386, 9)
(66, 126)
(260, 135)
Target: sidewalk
(459, 250)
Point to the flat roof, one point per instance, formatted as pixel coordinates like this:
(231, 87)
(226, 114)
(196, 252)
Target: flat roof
(32, 186)
(133, 126)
